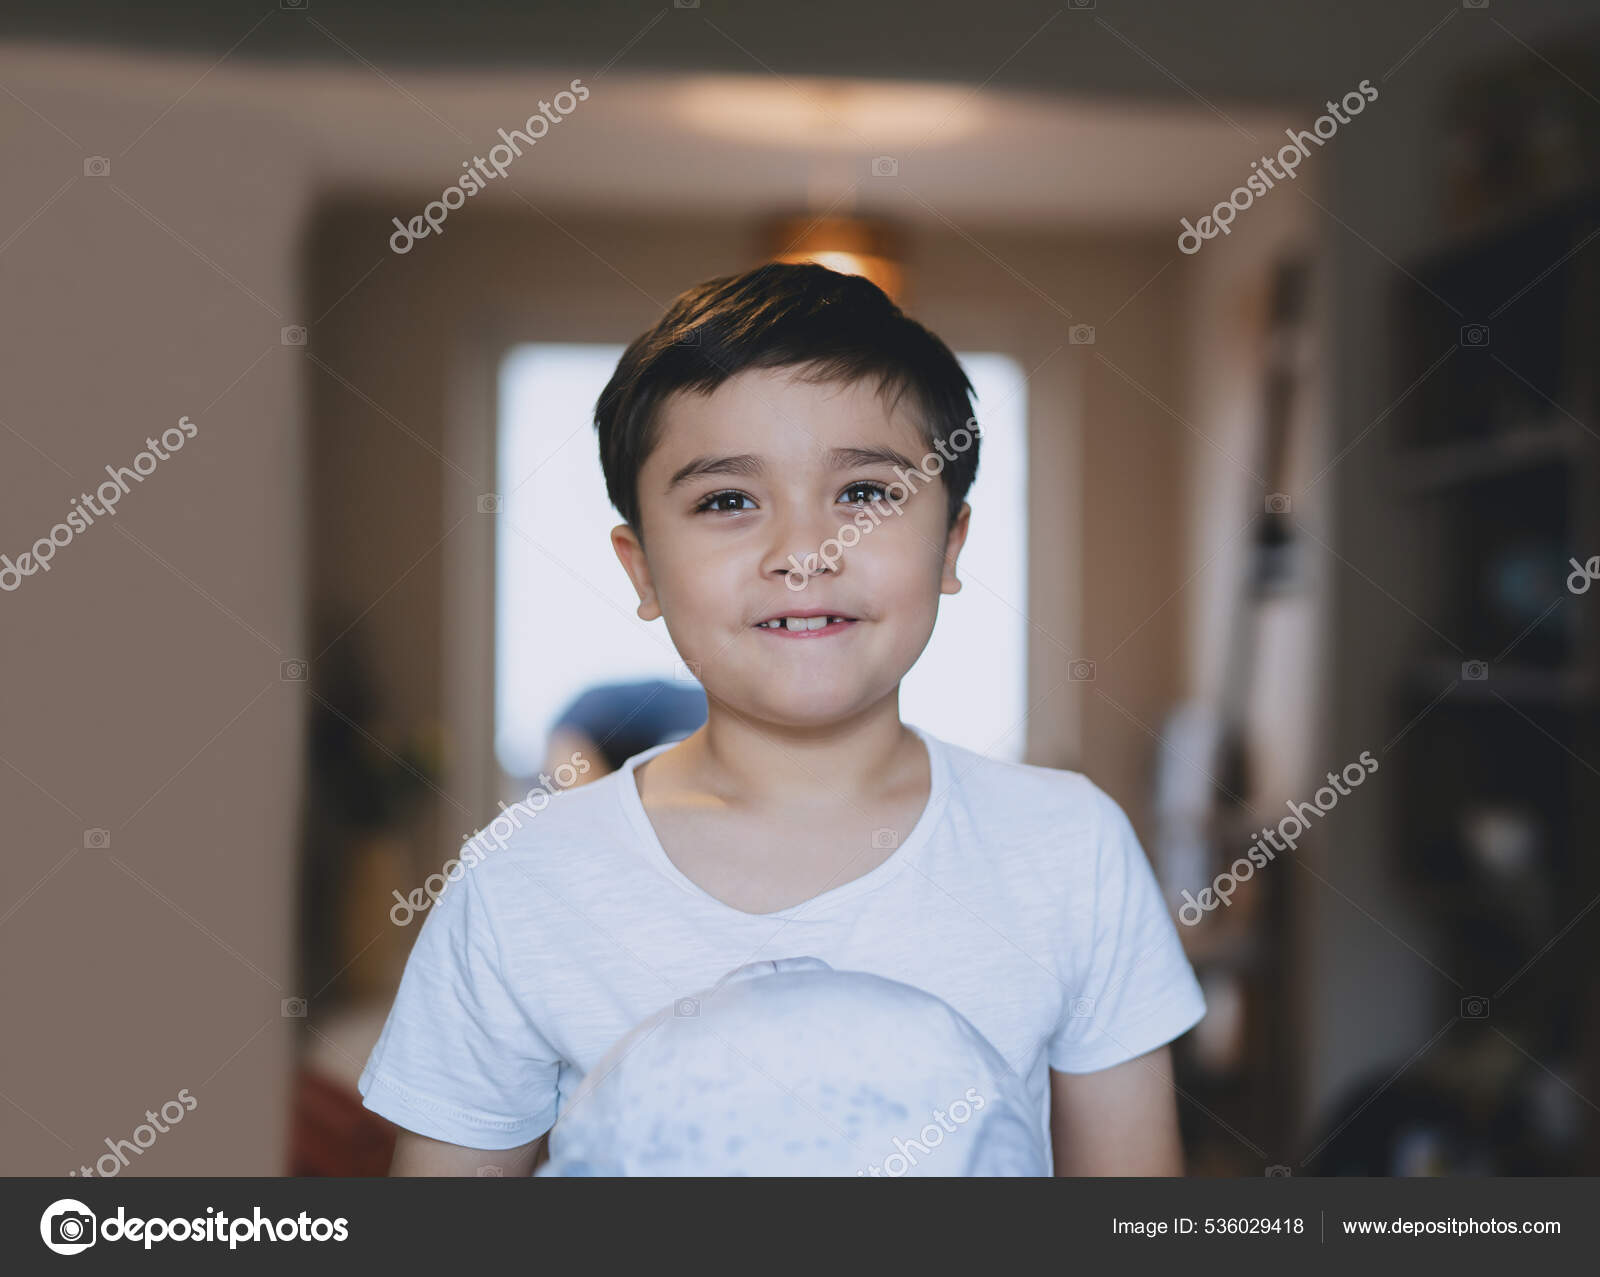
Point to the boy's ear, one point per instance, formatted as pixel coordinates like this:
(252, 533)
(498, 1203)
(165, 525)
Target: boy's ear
(954, 540)
(630, 551)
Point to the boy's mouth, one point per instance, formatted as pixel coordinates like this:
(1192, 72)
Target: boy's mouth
(805, 624)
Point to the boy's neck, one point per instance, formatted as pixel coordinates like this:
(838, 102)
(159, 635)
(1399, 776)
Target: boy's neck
(745, 761)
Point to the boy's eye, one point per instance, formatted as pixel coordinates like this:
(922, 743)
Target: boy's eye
(875, 492)
(716, 502)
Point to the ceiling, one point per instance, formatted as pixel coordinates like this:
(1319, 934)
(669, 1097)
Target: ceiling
(705, 143)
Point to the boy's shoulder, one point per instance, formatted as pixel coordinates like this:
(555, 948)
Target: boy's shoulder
(549, 818)
(1048, 837)
(1014, 792)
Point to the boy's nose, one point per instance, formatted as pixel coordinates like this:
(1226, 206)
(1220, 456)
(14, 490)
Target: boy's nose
(804, 546)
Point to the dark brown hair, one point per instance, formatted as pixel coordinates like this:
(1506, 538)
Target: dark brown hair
(838, 327)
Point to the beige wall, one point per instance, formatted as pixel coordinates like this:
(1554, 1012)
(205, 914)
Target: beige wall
(142, 690)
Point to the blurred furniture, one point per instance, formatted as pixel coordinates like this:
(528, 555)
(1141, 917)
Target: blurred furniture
(1519, 133)
(1497, 787)
(333, 1134)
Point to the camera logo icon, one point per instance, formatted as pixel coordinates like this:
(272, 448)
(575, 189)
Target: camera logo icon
(1081, 1008)
(96, 166)
(96, 839)
(1277, 1172)
(1474, 671)
(293, 335)
(687, 671)
(67, 1226)
(1474, 1008)
(1081, 671)
(491, 1172)
(1081, 335)
(293, 671)
(885, 166)
(1475, 335)
(294, 1008)
(688, 337)
(1279, 503)
(686, 1008)
(491, 503)
(882, 838)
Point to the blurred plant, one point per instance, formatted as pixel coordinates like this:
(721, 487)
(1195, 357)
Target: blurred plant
(365, 786)
(359, 782)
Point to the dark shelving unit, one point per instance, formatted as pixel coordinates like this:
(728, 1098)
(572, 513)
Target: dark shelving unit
(1496, 478)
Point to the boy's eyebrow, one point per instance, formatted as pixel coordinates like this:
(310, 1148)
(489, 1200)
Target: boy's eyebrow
(852, 458)
(748, 464)
(743, 463)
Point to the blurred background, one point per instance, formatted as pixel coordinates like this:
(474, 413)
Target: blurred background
(1250, 507)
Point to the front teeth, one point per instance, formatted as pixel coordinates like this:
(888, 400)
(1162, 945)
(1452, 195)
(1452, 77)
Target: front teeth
(799, 622)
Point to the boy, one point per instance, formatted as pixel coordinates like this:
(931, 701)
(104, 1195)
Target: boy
(766, 416)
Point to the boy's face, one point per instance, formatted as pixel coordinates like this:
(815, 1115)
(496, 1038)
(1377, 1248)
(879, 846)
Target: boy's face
(766, 486)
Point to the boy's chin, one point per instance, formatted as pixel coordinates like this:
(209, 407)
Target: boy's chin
(798, 708)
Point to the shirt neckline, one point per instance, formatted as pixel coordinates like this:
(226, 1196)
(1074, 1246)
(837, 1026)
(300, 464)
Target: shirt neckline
(908, 850)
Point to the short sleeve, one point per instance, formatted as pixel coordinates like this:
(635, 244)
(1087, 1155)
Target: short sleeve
(458, 1059)
(1137, 991)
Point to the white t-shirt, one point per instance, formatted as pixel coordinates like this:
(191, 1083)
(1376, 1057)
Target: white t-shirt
(1021, 897)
